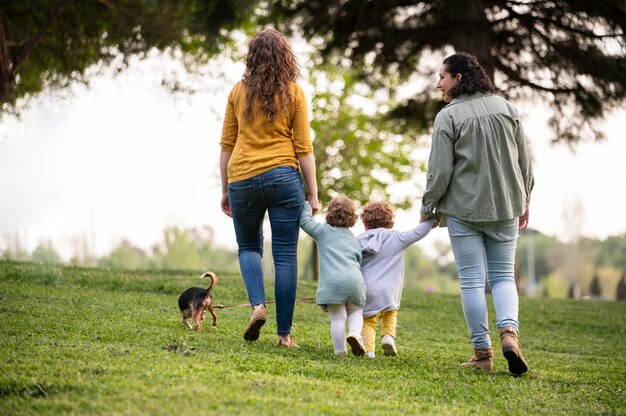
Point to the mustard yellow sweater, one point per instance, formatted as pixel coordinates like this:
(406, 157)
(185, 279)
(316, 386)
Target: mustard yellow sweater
(261, 145)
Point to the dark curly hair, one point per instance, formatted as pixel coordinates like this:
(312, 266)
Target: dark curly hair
(341, 212)
(270, 66)
(474, 78)
(377, 215)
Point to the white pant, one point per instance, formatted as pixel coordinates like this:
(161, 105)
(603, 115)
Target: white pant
(339, 314)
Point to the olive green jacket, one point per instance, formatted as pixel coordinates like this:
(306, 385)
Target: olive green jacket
(479, 167)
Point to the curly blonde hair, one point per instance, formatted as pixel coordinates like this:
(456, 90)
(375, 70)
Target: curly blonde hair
(270, 66)
(377, 214)
(341, 212)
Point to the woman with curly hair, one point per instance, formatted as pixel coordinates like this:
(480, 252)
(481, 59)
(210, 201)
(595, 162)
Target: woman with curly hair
(340, 290)
(383, 272)
(266, 149)
(480, 179)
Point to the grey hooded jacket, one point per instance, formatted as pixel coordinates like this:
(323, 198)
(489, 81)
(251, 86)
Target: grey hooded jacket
(383, 265)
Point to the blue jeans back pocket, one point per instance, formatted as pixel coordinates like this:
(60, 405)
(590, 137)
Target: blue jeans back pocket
(288, 194)
(240, 196)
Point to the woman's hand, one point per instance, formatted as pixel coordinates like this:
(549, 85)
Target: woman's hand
(225, 205)
(523, 220)
(315, 204)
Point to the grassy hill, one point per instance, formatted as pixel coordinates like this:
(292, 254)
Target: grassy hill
(95, 341)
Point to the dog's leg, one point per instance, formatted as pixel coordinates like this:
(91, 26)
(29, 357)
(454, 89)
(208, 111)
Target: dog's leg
(210, 308)
(196, 319)
(185, 322)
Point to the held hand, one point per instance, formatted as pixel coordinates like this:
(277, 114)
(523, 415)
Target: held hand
(424, 219)
(226, 206)
(315, 204)
(523, 220)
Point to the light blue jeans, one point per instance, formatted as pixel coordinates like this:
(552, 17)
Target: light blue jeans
(485, 251)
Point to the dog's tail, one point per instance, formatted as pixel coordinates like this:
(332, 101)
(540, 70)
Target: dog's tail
(213, 277)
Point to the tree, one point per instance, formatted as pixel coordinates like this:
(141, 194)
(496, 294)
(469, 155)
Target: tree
(52, 43)
(612, 252)
(181, 249)
(621, 288)
(546, 250)
(125, 256)
(357, 154)
(595, 289)
(570, 53)
(46, 253)
(15, 249)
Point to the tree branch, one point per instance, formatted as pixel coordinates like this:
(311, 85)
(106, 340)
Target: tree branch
(514, 76)
(24, 52)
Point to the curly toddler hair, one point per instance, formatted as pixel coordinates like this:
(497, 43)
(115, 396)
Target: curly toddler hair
(341, 212)
(377, 215)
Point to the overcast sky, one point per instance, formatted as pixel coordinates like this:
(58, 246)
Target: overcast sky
(123, 158)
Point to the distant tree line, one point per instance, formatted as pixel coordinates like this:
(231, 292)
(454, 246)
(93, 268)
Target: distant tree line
(597, 272)
(584, 268)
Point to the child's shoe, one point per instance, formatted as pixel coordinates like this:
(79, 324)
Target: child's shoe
(370, 354)
(356, 343)
(389, 346)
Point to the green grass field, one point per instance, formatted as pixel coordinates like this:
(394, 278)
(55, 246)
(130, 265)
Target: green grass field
(94, 341)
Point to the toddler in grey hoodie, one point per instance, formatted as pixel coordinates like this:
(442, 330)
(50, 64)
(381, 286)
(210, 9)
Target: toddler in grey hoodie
(383, 272)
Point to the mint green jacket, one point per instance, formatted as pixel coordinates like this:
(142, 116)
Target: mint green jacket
(479, 167)
(340, 257)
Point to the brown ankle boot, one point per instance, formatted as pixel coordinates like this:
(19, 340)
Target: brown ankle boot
(512, 350)
(482, 359)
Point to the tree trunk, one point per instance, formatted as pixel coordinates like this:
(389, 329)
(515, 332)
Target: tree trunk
(474, 36)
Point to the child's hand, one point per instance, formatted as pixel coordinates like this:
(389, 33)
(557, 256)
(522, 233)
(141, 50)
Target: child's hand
(324, 308)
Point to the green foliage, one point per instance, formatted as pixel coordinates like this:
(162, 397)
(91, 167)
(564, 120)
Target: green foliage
(15, 248)
(358, 155)
(125, 256)
(611, 251)
(570, 53)
(52, 43)
(181, 249)
(46, 253)
(111, 342)
(546, 251)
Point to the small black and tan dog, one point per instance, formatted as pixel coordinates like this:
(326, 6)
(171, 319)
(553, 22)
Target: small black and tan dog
(194, 302)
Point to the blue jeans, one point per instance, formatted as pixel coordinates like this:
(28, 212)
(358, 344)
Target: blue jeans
(485, 251)
(280, 192)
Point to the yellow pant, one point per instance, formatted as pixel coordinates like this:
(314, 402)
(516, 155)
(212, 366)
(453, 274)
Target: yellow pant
(389, 318)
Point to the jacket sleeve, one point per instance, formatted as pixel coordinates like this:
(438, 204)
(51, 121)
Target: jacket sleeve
(308, 224)
(301, 128)
(230, 128)
(525, 161)
(440, 166)
(409, 237)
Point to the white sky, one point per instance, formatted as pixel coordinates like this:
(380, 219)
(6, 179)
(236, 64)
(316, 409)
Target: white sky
(124, 159)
